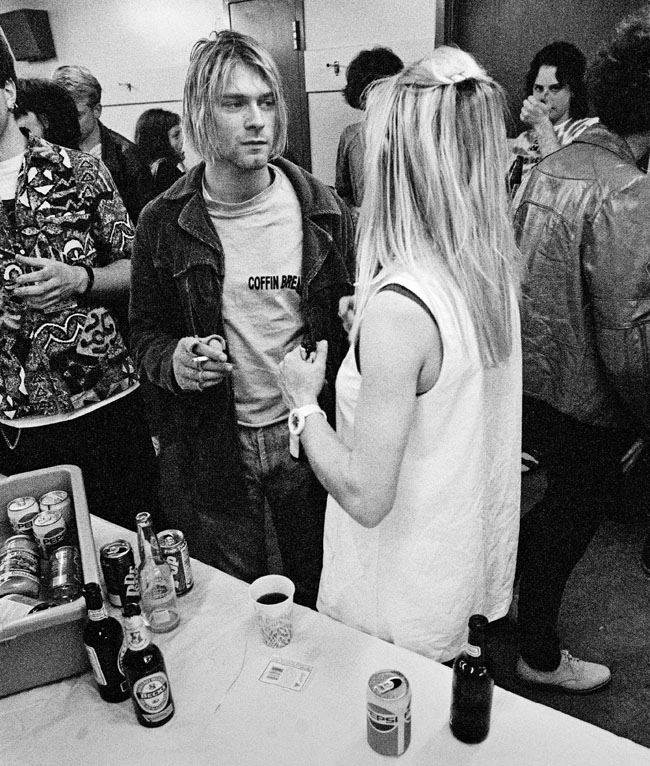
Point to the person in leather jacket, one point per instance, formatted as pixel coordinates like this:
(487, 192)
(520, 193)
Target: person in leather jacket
(583, 225)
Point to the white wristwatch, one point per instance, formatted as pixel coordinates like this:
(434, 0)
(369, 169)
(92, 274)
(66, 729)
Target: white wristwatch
(297, 419)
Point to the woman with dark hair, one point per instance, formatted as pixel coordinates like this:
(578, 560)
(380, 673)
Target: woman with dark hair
(555, 108)
(48, 111)
(366, 67)
(159, 137)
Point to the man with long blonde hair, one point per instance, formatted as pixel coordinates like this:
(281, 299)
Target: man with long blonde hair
(423, 470)
(243, 259)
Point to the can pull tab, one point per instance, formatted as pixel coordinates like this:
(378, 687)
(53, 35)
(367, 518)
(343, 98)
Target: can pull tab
(386, 686)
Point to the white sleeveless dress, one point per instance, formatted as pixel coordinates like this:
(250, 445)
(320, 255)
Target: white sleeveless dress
(447, 548)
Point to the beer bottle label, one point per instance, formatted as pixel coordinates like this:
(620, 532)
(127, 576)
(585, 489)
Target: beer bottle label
(473, 651)
(152, 695)
(97, 668)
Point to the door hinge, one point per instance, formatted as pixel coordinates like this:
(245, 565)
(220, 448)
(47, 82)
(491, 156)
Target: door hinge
(296, 35)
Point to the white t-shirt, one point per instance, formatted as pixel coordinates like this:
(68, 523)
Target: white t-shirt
(447, 548)
(262, 243)
(9, 172)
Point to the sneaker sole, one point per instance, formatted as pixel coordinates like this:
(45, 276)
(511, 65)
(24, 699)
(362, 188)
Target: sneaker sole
(560, 688)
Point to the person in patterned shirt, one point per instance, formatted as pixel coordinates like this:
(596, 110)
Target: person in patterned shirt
(68, 387)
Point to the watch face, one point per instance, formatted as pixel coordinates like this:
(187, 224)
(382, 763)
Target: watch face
(294, 421)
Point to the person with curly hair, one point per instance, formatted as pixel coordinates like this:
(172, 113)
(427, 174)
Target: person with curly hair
(555, 108)
(365, 68)
(48, 111)
(159, 138)
(583, 227)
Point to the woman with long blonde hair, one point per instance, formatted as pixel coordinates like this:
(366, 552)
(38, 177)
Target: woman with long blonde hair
(423, 470)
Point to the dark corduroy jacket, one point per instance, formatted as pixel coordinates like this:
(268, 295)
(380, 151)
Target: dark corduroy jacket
(178, 271)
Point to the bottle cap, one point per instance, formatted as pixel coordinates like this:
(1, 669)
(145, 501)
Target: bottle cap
(478, 621)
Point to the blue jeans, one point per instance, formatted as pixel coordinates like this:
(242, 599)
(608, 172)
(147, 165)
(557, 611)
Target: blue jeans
(296, 501)
(230, 533)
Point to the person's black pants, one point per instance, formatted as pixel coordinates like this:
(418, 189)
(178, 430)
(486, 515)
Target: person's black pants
(111, 446)
(584, 481)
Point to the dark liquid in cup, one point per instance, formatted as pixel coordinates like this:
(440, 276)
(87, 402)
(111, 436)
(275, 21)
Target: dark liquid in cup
(272, 598)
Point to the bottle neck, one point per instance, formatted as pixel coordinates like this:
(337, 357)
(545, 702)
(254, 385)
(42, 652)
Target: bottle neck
(148, 545)
(97, 614)
(475, 646)
(137, 634)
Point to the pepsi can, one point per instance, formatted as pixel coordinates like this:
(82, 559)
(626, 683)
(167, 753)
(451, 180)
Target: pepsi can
(388, 699)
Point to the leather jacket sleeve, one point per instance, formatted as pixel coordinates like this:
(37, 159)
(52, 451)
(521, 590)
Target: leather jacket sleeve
(616, 266)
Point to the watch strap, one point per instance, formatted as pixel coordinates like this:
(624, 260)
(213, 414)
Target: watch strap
(303, 413)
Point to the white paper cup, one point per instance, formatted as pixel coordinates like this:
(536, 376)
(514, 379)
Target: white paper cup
(272, 598)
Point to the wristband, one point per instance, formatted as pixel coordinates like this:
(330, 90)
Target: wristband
(91, 277)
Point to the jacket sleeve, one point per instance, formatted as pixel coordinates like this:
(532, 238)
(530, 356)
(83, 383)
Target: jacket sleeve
(153, 307)
(616, 265)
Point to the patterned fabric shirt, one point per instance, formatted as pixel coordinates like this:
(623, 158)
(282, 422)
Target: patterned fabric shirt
(57, 363)
(526, 146)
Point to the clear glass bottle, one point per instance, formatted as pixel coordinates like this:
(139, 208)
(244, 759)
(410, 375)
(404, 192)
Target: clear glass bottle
(144, 668)
(157, 590)
(472, 687)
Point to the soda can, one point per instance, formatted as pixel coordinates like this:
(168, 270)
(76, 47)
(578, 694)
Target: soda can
(173, 547)
(49, 530)
(58, 500)
(66, 576)
(21, 512)
(120, 574)
(388, 701)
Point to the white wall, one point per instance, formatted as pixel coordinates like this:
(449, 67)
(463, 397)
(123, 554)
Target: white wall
(139, 49)
(336, 30)
(144, 43)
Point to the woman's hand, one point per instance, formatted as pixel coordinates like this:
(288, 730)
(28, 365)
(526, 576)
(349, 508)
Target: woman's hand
(302, 376)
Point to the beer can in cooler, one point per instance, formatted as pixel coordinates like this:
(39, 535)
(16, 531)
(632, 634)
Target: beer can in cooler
(58, 500)
(20, 567)
(49, 529)
(173, 547)
(388, 700)
(66, 576)
(118, 565)
(21, 512)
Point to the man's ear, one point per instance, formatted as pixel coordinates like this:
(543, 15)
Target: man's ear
(97, 110)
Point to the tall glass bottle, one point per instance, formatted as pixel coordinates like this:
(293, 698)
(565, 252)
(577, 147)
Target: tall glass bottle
(157, 590)
(144, 668)
(472, 687)
(103, 639)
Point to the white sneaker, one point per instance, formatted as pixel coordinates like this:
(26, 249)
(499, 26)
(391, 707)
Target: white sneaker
(572, 675)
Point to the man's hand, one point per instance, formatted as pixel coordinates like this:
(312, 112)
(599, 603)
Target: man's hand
(200, 363)
(534, 113)
(346, 312)
(49, 282)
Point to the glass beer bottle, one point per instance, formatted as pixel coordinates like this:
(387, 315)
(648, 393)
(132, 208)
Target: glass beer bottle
(103, 639)
(472, 687)
(145, 671)
(157, 591)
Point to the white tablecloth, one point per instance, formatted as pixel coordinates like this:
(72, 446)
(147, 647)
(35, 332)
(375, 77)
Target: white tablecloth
(225, 716)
